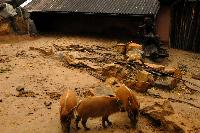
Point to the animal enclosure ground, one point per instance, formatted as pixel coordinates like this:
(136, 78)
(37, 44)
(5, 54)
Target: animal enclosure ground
(33, 76)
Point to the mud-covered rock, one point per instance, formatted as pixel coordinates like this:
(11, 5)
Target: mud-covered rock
(196, 76)
(122, 74)
(4, 70)
(5, 28)
(167, 83)
(144, 81)
(133, 46)
(144, 76)
(48, 104)
(111, 70)
(69, 59)
(4, 59)
(157, 115)
(24, 93)
(170, 70)
(134, 55)
(53, 95)
(20, 88)
(87, 93)
(134, 52)
(121, 48)
(141, 86)
(155, 67)
(21, 25)
(21, 53)
(47, 51)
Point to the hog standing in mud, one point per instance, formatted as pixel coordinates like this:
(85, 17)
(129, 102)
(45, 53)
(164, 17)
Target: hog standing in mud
(68, 103)
(130, 103)
(97, 106)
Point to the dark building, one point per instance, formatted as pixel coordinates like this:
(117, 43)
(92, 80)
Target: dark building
(102, 16)
(177, 21)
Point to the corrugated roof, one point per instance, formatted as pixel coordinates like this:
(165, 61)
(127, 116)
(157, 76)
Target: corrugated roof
(133, 7)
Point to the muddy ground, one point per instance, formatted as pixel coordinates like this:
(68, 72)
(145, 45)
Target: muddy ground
(32, 80)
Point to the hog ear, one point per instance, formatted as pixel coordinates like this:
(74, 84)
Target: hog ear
(111, 95)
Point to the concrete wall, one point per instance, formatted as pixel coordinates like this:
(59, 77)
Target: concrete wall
(163, 23)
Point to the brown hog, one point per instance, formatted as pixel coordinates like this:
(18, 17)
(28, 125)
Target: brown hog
(129, 101)
(97, 106)
(68, 102)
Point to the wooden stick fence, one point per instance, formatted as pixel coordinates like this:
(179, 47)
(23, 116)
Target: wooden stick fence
(185, 25)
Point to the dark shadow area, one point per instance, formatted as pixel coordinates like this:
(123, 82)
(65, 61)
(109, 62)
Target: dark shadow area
(102, 25)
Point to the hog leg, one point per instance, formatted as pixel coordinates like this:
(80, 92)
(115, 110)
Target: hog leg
(84, 120)
(133, 117)
(105, 119)
(78, 118)
(109, 122)
(68, 123)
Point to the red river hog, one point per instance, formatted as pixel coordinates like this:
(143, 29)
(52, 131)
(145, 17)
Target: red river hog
(97, 106)
(68, 102)
(129, 102)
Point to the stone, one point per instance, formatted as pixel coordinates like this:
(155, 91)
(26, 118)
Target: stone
(158, 114)
(144, 81)
(168, 83)
(130, 83)
(5, 28)
(88, 93)
(111, 70)
(134, 55)
(168, 107)
(20, 88)
(132, 46)
(178, 74)
(1, 100)
(21, 25)
(196, 76)
(53, 95)
(4, 70)
(8, 11)
(155, 67)
(163, 108)
(31, 27)
(44, 50)
(144, 76)
(122, 74)
(47, 103)
(69, 59)
(121, 48)
(24, 93)
(142, 86)
(111, 81)
(170, 70)
(134, 52)
(89, 64)
(21, 53)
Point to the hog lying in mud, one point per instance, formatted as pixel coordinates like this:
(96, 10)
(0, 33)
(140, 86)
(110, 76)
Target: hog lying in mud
(68, 103)
(129, 101)
(97, 106)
